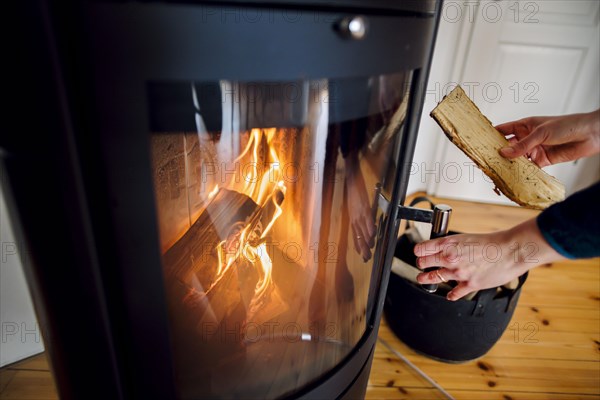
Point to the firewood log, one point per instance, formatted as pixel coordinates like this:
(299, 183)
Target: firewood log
(521, 180)
(195, 251)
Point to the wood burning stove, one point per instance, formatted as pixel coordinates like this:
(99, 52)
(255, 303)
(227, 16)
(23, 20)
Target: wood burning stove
(224, 178)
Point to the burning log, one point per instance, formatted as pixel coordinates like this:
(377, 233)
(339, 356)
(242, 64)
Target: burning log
(219, 271)
(195, 252)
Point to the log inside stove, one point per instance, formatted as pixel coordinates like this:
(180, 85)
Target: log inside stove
(203, 294)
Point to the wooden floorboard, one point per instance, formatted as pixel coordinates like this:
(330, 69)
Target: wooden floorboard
(393, 393)
(551, 349)
(29, 379)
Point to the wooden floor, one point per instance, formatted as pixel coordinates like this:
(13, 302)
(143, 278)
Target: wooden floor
(29, 379)
(550, 351)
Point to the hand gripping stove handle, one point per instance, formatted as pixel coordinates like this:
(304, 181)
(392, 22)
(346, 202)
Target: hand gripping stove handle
(439, 227)
(439, 218)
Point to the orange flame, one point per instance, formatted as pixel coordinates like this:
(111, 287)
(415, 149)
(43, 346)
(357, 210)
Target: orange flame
(262, 181)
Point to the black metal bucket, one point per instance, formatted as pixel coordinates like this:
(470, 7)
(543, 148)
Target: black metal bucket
(444, 330)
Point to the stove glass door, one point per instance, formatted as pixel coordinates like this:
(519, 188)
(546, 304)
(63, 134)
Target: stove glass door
(267, 197)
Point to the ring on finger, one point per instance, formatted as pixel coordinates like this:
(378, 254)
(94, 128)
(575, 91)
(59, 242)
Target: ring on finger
(439, 275)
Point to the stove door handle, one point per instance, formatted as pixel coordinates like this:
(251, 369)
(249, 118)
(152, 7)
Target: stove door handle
(439, 218)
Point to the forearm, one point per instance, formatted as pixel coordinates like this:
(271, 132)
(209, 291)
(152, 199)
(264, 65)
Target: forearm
(528, 247)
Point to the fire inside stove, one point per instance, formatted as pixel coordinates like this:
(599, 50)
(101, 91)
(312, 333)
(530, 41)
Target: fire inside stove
(267, 203)
(234, 228)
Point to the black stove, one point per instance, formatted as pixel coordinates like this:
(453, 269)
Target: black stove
(218, 182)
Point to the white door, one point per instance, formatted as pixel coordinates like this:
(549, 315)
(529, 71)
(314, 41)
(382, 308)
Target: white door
(525, 58)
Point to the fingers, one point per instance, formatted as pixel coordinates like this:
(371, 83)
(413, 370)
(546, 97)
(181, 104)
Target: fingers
(361, 241)
(357, 239)
(522, 127)
(444, 275)
(364, 235)
(433, 260)
(518, 129)
(369, 229)
(538, 155)
(442, 252)
(565, 152)
(509, 128)
(461, 290)
(429, 247)
(524, 146)
(440, 275)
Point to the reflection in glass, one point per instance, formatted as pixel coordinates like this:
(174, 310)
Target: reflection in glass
(268, 222)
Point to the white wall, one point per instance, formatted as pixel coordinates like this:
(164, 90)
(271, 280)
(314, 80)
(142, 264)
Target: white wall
(20, 335)
(470, 48)
(449, 50)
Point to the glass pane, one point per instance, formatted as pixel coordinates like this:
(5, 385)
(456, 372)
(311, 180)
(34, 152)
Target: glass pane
(266, 198)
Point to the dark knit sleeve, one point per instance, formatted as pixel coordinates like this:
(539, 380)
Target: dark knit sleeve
(572, 227)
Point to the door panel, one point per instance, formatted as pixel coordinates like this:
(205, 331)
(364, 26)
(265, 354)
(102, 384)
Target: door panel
(527, 58)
